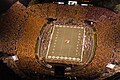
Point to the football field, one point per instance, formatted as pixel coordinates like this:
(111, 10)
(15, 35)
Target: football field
(66, 42)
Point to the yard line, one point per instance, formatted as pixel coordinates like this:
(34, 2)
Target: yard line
(62, 41)
(50, 41)
(70, 43)
(83, 43)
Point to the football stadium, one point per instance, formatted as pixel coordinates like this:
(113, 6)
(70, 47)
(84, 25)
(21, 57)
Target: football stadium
(66, 43)
(60, 40)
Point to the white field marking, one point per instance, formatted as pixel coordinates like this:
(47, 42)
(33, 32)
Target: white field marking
(50, 41)
(79, 36)
(83, 46)
(67, 41)
(76, 50)
(53, 57)
(49, 57)
(56, 25)
(55, 40)
(71, 40)
(67, 26)
(74, 58)
(69, 58)
(61, 57)
(56, 35)
(79, 33)
(75, 27)
(64, 26)
(82, 28)
(53, 49)
(57, 57)
(65, 58)
(61, 26)
(78, 59)
(62, 41)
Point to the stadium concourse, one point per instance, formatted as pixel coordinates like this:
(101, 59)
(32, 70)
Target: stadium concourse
(20, 28)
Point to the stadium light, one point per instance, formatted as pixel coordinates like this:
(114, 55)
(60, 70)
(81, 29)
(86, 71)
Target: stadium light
(60, 2)
(72, 2)
(84, 4)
